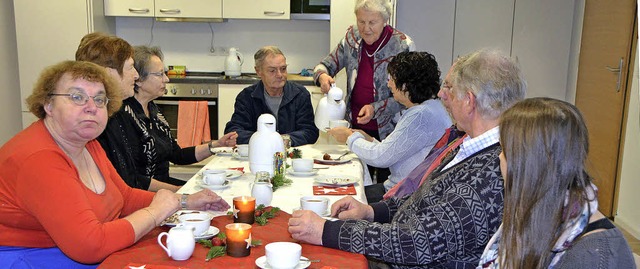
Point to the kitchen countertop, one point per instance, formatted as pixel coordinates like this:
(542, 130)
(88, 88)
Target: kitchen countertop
(245, 78)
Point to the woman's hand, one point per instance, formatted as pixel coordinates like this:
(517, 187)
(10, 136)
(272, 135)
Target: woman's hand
(365, 115)
(305, 225)
(340, 133)
(349, 208)
(228, 140)
(325, 82)
(206, 200)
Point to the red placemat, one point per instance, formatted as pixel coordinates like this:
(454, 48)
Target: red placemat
(147, 251)
(338, 190)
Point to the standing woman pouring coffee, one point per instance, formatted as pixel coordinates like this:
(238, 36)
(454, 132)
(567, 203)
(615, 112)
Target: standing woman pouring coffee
(364, 53)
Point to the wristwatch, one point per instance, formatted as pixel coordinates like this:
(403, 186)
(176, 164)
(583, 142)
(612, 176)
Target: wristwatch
(183, 201)
(211, 147)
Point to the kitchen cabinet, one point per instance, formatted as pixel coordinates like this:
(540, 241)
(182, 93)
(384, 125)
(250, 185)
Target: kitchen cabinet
(129, 8)
(256, 9)
(201, 9)
(188, 9)
(538, 33)
(39, 40)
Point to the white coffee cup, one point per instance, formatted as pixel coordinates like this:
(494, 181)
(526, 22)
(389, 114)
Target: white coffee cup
(302, 165)
(242, 150)
(199, 221)
(214, 176)
(317, 204)
(281, 255)
(338, 123)
(180, 242)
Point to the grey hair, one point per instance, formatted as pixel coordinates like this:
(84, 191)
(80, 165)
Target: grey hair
(381, 6)
(493, 78)
(142, 57)
(263, 52)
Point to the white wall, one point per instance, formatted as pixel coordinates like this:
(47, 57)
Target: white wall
(303, 42)
(628, 199)
(10, 93)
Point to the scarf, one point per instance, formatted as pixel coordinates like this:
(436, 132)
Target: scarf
(571, 230)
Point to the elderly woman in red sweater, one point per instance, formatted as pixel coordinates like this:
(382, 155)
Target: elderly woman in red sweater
(63, 203)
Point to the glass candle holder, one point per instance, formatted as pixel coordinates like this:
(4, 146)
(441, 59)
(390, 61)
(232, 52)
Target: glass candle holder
(238, 239)
(244, 208)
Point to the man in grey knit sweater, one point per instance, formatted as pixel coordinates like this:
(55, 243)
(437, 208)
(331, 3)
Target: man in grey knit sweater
(447, 222)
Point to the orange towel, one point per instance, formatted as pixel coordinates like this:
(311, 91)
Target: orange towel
(193, 123)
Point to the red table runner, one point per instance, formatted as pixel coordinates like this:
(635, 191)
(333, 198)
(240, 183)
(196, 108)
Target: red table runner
(147, 251)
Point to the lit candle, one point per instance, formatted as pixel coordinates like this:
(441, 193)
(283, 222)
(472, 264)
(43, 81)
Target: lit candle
(238, 239)
(244, 208)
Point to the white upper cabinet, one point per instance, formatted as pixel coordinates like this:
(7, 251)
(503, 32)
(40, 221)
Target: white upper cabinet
(189, 9)
(256, 9)
(129, 8)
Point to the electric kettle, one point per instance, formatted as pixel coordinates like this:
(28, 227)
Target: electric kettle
(264, 144)
(331, 107)
(233, 63)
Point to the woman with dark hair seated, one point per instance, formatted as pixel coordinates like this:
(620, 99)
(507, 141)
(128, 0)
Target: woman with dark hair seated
(551, 217)
(414, 80)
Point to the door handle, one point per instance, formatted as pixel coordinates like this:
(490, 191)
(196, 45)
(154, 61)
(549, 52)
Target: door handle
(617, 70)
(274, 13)
(139, 10)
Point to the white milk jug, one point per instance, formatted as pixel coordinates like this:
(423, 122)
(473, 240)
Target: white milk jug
(263, 145)
(180, 242)
(331, 107)
(261, 189)
(233, 63)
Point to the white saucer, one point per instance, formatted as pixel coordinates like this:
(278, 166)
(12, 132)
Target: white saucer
(262, 263)
(213, 231)
(303, 174)
(233, 174)
(237, 156)
(225, 185)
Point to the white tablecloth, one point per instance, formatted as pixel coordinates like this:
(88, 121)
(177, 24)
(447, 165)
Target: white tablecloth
(287, 198)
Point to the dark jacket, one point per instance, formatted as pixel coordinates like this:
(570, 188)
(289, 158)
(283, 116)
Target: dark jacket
(295, 116)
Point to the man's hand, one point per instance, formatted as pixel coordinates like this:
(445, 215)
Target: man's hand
(349, 208)
(305, 225)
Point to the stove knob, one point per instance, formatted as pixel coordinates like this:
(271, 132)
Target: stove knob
(193, 91)
(201, 91)
(208, 91)
(174, 91)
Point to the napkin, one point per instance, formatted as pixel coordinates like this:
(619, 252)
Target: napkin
(337, 190)
(241, 169)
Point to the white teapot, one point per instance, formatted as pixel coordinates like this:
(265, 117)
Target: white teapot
(180, 242)
(262, 189)
(331, 107)
(264, 144)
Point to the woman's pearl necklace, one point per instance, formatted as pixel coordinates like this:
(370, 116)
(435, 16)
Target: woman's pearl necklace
(379, 46)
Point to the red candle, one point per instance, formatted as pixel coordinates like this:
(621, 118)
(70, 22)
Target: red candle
(244, 209)
(238, 239)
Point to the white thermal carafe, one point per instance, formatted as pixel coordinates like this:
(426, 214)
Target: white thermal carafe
(263, 145)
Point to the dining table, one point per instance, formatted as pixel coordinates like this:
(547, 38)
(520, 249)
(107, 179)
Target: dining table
(147, 253)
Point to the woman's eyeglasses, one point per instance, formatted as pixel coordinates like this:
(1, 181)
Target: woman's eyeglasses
(81, 99)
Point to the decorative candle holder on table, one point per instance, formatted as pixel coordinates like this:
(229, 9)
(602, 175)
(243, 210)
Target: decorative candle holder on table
(244, 208)
(238, 239)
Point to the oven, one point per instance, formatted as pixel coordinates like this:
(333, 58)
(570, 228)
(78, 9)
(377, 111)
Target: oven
(168, 106)
(168, 103)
